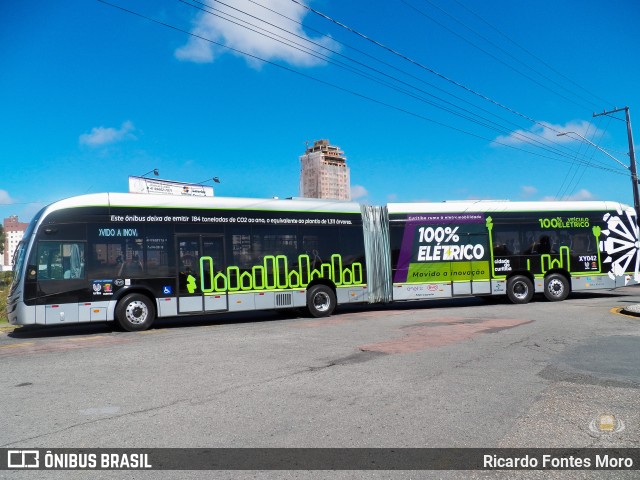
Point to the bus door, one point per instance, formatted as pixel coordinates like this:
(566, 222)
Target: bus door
(200, 261)
(471, 275)
(56, 278)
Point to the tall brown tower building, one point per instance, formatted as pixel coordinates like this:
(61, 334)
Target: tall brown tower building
(324, 172)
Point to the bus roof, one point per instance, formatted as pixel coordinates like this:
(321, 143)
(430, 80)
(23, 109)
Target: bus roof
(322, 205)
(504, 206)
(215, 203)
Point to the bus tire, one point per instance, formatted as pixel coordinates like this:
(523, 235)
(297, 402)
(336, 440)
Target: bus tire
(556, 287)
(135, 312)
(520, 289)
(321, 301)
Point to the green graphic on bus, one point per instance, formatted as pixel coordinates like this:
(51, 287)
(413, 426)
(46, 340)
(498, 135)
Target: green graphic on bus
(191, 284)
(550, 261)
(275, 274)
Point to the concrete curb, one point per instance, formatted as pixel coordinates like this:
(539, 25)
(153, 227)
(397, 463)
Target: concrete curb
(632, 310)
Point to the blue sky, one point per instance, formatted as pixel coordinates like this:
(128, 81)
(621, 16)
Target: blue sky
(91, 94)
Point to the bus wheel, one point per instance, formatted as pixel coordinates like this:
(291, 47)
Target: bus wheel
(519, 289)
(135, 312)
(556, 287)
(320, 301)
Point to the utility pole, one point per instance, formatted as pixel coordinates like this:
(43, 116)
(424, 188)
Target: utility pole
(632, 158)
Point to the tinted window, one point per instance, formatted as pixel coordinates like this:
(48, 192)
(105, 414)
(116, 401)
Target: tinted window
(130, 252)
(59, 260)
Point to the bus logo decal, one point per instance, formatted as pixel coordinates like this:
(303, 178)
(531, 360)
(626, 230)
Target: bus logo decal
(23, 458)
(622, 244)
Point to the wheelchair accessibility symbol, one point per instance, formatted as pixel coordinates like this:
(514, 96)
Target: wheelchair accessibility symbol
(167, 290)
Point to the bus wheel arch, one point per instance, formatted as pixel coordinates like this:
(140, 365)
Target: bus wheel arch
(556, 287)
(520, 289)
(135, 312)
(321, 300)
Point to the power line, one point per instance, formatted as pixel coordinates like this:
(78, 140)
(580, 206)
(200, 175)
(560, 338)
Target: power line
(491, 124)
(424, 14)
(544, 144)
(338, 87)
(575, 179)
(422, 66)
(533, 55)
(574, 169)
(404, 72)
(526, 138)
(584, 170)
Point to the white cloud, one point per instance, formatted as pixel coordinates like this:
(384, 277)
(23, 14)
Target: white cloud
(580, 195)
(5, 198)
(548, 132)
(231, 34)
(358, 192)
(103, 136)
(528, 191)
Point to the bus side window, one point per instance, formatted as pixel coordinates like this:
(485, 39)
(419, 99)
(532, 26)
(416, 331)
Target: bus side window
(120, 257)
(73, 263)
(131, 267)
(544, 245)
(505, 243)
(580, 243)
(59, 261)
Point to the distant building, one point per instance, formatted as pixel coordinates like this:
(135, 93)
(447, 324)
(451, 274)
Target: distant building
(13, 233)
(324, 172)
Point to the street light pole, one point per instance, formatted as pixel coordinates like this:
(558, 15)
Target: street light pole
(632, 157)
(214, 179)
(593, 145)
(155, 171)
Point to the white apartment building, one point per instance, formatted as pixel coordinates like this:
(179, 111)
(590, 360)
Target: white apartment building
(13, 233)
(324, 172)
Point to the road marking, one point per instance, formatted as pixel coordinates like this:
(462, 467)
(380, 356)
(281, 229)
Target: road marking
(618, 311)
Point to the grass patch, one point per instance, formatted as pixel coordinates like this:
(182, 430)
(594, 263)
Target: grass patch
(5, 280)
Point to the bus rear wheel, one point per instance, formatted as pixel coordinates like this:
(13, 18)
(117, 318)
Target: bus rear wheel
(321, 301)
(519, 289)
(556, 287)
(135, 312)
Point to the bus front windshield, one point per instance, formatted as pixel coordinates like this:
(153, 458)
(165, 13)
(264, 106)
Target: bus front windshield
(18, 261)
(21, 252)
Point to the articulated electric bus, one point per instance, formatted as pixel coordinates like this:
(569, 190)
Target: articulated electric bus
(131, 258)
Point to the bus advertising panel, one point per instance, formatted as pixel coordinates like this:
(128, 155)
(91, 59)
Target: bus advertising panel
(443, 247)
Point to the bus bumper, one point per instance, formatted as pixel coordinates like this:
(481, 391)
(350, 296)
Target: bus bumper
(21, 314)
